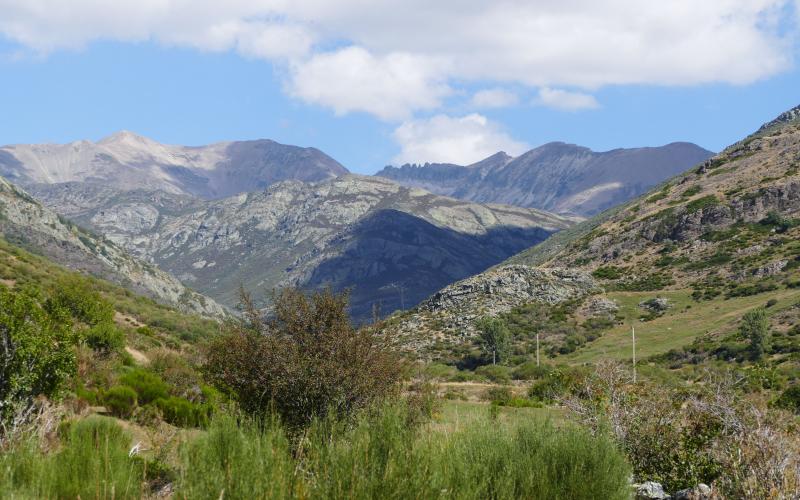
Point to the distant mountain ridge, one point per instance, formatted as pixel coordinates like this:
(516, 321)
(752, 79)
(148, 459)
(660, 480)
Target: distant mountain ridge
(392, 245)
(127, 161)
(557, 177)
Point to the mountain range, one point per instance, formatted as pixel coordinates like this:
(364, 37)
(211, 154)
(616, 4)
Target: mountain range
(127, 161)
(557, 177)
(260, 214)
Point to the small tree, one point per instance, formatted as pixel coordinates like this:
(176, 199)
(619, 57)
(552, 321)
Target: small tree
(37, 353)
(496, 337)
(755, 328)
(304, 361)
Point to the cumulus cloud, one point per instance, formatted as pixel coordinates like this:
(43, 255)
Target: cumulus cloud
(352, 79)
(460, 140)
(565, 100)
(578, 44)
(494, 98)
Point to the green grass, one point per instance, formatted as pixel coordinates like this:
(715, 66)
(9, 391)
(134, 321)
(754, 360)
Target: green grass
(677, 328)
(92, 463)
(457, 415)
(382, 454)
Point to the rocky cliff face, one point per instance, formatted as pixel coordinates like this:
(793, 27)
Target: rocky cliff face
(391, 244)
(557, 177)
(25, 222)
(126, 161)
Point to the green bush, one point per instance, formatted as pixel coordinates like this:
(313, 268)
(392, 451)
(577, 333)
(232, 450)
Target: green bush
(120, 400)
(529, 371)
(148, 386)
(495, 373)
(608, 273)
(104, 337)
(183, 413)
(790, 399)
(77, 295)
(701, 203)
(37, 350)
(556, 383)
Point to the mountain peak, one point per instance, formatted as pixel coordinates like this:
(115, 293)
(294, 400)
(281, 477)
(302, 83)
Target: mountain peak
(125, 136)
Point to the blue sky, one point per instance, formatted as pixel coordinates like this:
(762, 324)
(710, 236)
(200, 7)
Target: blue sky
(342, 81)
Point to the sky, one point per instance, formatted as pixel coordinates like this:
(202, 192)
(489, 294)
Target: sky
(382, 82)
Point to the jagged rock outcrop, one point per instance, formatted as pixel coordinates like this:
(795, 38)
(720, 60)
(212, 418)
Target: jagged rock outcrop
(449, 315)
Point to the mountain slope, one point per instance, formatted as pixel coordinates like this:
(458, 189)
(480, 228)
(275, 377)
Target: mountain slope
(393, 245)
(127, 161)
(25, 222)
(557, 177)
(712, 243)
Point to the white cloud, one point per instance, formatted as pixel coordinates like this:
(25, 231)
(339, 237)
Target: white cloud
(494, 98)
(579, 44)
(461, 140)
(352, 79)
(565, 100)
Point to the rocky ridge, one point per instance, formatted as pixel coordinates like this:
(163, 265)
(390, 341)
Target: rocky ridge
(449, 315)
(126, 161)
(393, 245)
(558, 177)
(25, 222)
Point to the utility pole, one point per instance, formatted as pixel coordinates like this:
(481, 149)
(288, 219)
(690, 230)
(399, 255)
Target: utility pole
(633, 343)
(537, 349)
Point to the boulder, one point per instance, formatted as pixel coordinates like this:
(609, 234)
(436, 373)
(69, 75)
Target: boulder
(650, 490)
(699, 492)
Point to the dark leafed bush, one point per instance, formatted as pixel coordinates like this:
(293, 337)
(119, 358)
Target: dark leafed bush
(608, 273)
(120, 401)
(304, 361)
(790, 399)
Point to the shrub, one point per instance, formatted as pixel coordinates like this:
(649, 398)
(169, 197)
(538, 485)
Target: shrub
(120, 400)
(529, 371)
(77, 295)
(608, 273)
(701, 203)
(148, 385)
(104, 337)
(37, 351)
(183, 413)
(498, 395)
(305, 361)
(790, 399)
(495, 373)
